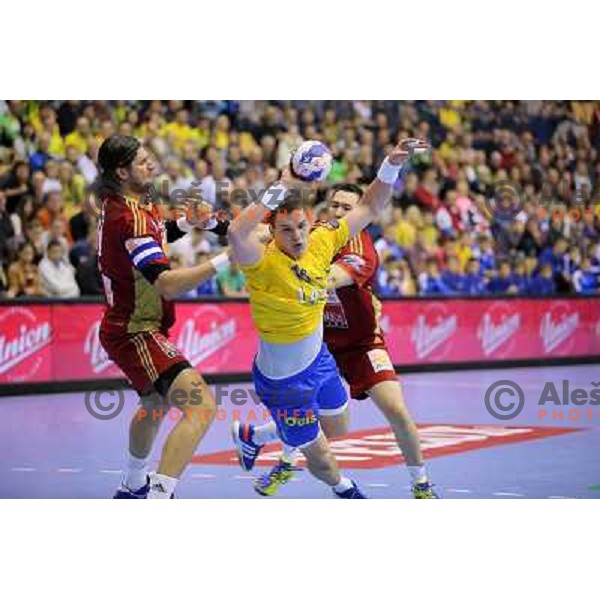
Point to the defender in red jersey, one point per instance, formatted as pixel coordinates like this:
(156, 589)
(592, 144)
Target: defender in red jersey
(354, 337)
(351, 318)
(139, 286)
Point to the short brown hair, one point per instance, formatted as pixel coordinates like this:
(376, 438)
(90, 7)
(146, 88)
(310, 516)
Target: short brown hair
(291, 203)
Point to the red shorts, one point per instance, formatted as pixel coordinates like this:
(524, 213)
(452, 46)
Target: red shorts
(365, 366)
(143, 357)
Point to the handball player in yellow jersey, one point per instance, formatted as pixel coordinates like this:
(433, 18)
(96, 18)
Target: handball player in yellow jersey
(294, 374)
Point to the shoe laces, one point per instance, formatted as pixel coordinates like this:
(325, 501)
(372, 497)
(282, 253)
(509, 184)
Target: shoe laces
(278, 471)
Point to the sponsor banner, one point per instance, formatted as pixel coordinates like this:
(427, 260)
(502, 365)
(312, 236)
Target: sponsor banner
(216, 338)
(377, 448)
(27, 342)
(474, 330)
(59, 342)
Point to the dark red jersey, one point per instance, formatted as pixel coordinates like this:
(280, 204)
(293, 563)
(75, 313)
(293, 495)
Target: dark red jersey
(352, 312)
(132, 252)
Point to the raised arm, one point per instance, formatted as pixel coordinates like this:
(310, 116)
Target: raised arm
(246, 245)
(380, 190)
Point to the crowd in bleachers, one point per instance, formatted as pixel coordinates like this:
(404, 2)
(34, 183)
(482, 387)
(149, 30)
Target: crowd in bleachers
(438, 237)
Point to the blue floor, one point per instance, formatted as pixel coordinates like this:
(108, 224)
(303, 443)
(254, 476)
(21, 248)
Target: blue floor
(50, 446)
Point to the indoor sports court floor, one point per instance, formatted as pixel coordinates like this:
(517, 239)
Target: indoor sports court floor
(50, 446)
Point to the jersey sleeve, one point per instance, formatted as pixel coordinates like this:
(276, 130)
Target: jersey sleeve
(359, 260)
(330, 237)
(143, 244)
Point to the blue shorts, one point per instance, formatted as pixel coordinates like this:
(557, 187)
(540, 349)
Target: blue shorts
(296, 402)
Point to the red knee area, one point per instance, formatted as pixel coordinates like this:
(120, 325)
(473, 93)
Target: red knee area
(364, 367)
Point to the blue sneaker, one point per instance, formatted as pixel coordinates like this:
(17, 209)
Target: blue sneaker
(247, 450)
(425, 491)
(124, 493)
(353, 493)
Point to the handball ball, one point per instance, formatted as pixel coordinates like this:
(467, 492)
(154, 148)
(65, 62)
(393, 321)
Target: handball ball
(311, 161)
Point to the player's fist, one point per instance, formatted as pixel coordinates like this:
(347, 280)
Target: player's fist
(199, 213)
(289, 181)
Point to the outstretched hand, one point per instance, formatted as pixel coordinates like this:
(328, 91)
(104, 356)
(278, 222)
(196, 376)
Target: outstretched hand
(406, 148)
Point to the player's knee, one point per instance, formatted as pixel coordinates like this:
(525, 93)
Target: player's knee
(202, 413)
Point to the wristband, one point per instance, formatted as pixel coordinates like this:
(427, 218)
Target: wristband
(274, 196)
(220, 262)
(388, 173)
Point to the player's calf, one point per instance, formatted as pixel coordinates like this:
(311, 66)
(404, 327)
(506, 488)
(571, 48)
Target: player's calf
(191, 395)
(322, 464)
(388, 397)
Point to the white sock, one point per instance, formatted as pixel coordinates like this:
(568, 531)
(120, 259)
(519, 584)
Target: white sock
(343, 485)
(137, 472)
(290, 454)
(265, 433)
(161, 486)
(418, 474)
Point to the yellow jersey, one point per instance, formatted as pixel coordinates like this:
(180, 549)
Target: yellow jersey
(287, 295)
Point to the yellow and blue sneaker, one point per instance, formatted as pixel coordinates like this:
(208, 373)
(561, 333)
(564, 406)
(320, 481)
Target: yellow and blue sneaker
(425, 490)
(269, 483)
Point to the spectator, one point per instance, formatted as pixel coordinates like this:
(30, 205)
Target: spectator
(7, 231)
(431, 234)
(58, 275)
(80, 138)
(464, 250)
(475, 284)
(387, 245)
(486, 255)
(543, 283)
(23, 275)
(15, 185)
(453, 278)
(554, 256)
(502, 283)
(406, 230)
(520, 279)
(431, 282)
(39, 158)
(34, 234)
(232, 283)
(83, 250)
(52, 211)
(396, 279)
(22, 215)
(56, 233)
(51, 182)
(586, 278)
(88, 277)
(73, 188)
